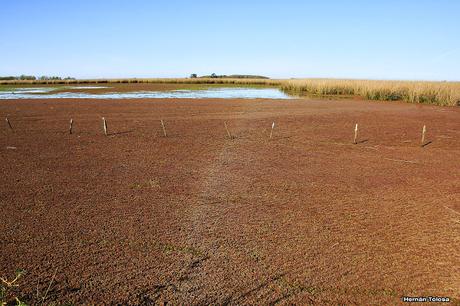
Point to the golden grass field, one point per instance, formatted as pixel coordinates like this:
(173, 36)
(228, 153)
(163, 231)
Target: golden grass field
(438, 93)
(426, 92)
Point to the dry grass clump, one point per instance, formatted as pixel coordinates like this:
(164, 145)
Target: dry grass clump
(438, 93)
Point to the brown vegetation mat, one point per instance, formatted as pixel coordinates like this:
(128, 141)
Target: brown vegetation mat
(123, 87)
(197, 218)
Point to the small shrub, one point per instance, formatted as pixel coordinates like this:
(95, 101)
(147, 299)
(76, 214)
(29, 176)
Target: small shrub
(8, 295)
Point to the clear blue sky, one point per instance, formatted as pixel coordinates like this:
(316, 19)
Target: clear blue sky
(160, 38)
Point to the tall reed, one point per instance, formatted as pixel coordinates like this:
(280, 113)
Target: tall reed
(438, 93)
(242, 81)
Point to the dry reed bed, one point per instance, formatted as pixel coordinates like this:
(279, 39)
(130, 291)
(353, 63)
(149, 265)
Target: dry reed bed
(437, 93)
(267, 82)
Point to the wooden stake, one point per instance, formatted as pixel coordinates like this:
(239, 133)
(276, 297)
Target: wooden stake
(423, 135)
(228, 132)
(356, 134)
(271, 132)
(70, 127)
(8, 122)
(104, 125)
(163, 126)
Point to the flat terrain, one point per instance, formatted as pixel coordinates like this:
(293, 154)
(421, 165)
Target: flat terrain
(197, 218)
(103, 88)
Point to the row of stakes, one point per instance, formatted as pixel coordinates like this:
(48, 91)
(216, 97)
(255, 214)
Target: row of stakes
(104, 125)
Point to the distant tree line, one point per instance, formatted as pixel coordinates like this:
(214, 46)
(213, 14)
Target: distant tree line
(232, 76)
(24, 77)
(21, 77)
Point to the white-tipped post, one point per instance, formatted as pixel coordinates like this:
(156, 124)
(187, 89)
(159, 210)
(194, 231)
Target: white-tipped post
(356, 134)
(104, 125)
(228, 132)
(70, 126)
(423, 135)
(164, 129)
(9, 123)
(271, 132)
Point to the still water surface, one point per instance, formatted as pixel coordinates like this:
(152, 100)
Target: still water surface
(219, 93)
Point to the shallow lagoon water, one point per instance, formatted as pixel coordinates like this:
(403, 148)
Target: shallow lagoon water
(215, 93)
(27, 90)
